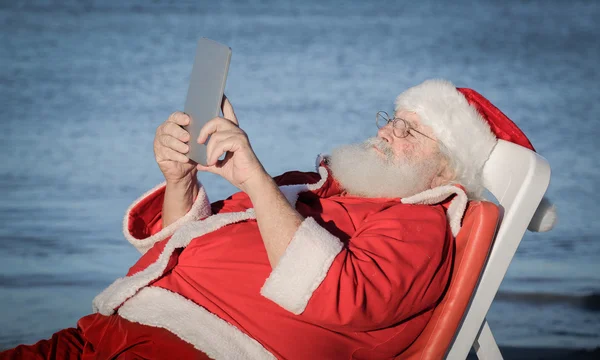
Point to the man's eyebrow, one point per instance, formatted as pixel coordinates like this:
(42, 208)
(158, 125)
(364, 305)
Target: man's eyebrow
(410, 123)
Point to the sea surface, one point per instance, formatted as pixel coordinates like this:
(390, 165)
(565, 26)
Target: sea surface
(84, 84)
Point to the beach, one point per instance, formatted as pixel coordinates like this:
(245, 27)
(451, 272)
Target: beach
(83, 86)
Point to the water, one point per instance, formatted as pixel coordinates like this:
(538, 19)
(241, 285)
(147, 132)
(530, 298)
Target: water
(83, 86)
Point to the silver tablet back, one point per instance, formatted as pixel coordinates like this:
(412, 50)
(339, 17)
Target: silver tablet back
(207, 84)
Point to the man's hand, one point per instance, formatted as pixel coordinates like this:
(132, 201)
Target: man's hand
(240, 165)
(179, 171)
(170, 148)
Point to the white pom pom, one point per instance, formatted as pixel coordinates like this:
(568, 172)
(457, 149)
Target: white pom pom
(544, 218)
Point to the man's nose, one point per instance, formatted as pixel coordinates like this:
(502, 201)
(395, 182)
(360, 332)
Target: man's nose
(386, 133)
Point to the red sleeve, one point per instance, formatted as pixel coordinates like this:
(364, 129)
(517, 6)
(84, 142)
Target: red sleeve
(396, 265)
(297, 177)
(144, 218)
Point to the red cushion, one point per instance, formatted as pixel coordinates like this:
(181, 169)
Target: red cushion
(473, 244)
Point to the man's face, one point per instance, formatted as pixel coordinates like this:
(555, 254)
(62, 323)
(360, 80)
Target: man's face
(388, 165)
(414, 146)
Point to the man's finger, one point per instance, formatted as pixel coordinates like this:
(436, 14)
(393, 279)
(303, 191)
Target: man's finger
(214, 125)
(228, 112)
(170, 142)
(170, 154)
(179, 118)
(216, 138)
(218, 147)
(176, 131)
(210, 169)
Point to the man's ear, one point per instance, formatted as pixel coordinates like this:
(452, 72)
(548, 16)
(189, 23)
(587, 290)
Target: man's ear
(444, 176)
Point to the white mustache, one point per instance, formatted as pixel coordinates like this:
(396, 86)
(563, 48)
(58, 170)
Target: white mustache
(381, 145)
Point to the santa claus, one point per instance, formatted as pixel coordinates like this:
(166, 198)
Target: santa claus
(345, 262)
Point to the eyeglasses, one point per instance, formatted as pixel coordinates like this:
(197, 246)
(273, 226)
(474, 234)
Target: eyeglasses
(400, 127)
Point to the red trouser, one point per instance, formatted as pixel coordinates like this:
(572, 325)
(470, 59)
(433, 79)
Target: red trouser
(107, 337)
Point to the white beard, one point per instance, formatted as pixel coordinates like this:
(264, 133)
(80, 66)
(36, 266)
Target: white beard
(362, 171)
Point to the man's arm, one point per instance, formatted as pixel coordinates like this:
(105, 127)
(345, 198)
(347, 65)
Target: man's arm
(396, 265)
(277, 220)
(179, 198)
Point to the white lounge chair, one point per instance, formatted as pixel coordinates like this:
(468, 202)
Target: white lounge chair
(518, 178)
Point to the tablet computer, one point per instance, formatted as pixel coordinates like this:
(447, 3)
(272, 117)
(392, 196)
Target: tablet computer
(205, 93)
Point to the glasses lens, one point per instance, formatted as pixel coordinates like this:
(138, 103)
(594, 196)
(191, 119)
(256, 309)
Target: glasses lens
(382, 119)
(400, 128)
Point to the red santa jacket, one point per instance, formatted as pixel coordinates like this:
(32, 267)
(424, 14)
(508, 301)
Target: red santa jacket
(359, 279)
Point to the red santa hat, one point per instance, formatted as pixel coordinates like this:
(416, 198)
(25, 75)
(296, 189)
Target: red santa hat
(468, 126)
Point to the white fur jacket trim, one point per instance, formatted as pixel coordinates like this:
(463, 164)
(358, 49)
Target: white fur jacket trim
(192, 323)
(124, 288)
(457, 207)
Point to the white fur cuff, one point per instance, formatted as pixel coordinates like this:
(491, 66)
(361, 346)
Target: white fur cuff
(200, 209)
(302, 267)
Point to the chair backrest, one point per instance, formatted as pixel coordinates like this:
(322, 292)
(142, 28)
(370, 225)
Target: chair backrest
(472, 246)
(518, 178)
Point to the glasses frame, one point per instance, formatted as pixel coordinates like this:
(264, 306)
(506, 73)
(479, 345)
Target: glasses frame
(386, 117)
